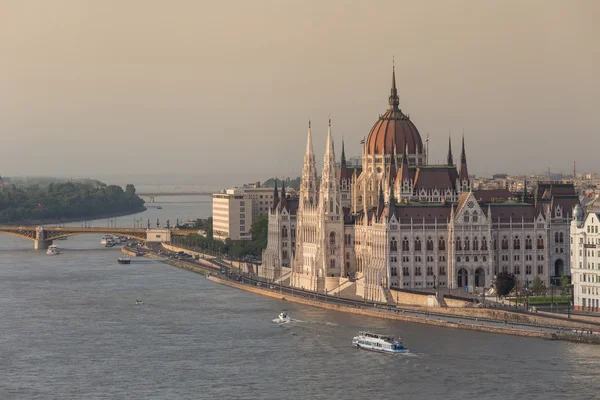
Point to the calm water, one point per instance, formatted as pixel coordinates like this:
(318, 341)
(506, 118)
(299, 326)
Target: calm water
(70, 329)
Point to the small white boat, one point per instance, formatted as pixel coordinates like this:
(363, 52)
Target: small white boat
(139, 302)
(284, 317)
(379, 343)
(53, 250)
(125, 260)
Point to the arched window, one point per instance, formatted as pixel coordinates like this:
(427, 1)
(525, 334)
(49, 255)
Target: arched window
(332, 238)
(484, 243)
(458, 244)
(332, 263)
(284, 232)
(561, 238)
(347, 256)
(516, 243)
(429, 244)
(504, 243)
(442, 244)
(467, 245)
(517, 270)
(330, 205)
(418, 244)
(528, 243)
(466, 217)
(555, 237)
(285, 254)
(405, 244)
(540, 242)
(475, 244)
(475, 217)
(393, 244)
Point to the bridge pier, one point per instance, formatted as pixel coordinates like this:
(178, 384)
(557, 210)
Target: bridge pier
(41, 244)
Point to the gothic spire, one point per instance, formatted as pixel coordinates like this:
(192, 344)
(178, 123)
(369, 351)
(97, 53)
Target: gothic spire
(392, 206)
(275, 195)
(404, 167)
(463, 174)
(394, 101)
(381, 202)
(309, 145)
(450, 159)
(344, 173)
(283, 201)
(308, 185)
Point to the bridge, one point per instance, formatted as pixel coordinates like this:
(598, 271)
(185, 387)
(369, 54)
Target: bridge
(151, 195)
(44, 236)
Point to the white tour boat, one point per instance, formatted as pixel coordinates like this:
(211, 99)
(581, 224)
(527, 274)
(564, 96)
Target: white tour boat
(53, 250)
(379, 343)
(284, 317)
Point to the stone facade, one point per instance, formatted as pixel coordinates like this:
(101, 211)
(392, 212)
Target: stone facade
(399, 222)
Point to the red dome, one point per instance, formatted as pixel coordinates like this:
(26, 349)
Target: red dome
(394, 127)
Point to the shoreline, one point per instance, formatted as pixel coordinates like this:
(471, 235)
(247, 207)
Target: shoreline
(207, 269)
(71, 220)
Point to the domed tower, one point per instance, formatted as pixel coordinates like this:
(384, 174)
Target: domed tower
(394, 132)
(393, 136)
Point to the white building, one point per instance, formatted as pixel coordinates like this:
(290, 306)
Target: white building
(585, 260)
(232, 215)
(398, 222)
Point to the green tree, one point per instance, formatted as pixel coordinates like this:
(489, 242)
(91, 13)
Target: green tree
(565, 281)
(538, 287)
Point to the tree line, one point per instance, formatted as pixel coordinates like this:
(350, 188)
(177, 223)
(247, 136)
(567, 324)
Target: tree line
(66, 201)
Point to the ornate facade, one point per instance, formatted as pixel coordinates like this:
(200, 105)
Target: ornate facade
(399, 222)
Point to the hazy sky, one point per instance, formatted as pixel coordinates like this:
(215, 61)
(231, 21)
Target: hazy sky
(90, 88)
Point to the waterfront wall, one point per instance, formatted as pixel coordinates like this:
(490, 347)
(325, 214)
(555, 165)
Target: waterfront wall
(375, 312)
(422, 303)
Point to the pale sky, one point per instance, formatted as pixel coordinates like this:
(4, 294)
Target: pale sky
(91, 88)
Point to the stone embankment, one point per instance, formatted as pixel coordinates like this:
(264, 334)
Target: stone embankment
(378, 313)
(471, 315)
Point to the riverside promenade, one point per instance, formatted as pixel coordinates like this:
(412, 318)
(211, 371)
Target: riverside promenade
(460, 318)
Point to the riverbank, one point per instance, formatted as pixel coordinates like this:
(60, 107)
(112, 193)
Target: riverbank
(483, 320)
(57, 221)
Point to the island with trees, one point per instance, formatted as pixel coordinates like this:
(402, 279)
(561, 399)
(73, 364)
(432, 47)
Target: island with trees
(55, 202)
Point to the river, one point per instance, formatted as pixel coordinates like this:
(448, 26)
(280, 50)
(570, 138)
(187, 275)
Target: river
(71, 329)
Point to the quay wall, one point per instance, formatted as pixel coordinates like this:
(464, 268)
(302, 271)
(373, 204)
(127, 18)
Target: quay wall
(377, 312)
(419, 302)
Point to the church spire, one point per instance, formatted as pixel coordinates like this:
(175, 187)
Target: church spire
(344, 173)
(463, 174)
(394, 101)
(275, 195)
(308, 185)
(450, 158)
(283, 201)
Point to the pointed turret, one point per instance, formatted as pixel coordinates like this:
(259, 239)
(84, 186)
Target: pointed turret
(275, 195)
(283, 200)
(404, 171)
(392, 206)
(450, 161)
(308, 185)
(464, 173)
(380, 202)
(394, 101)
(344, 172)
(329, 195)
